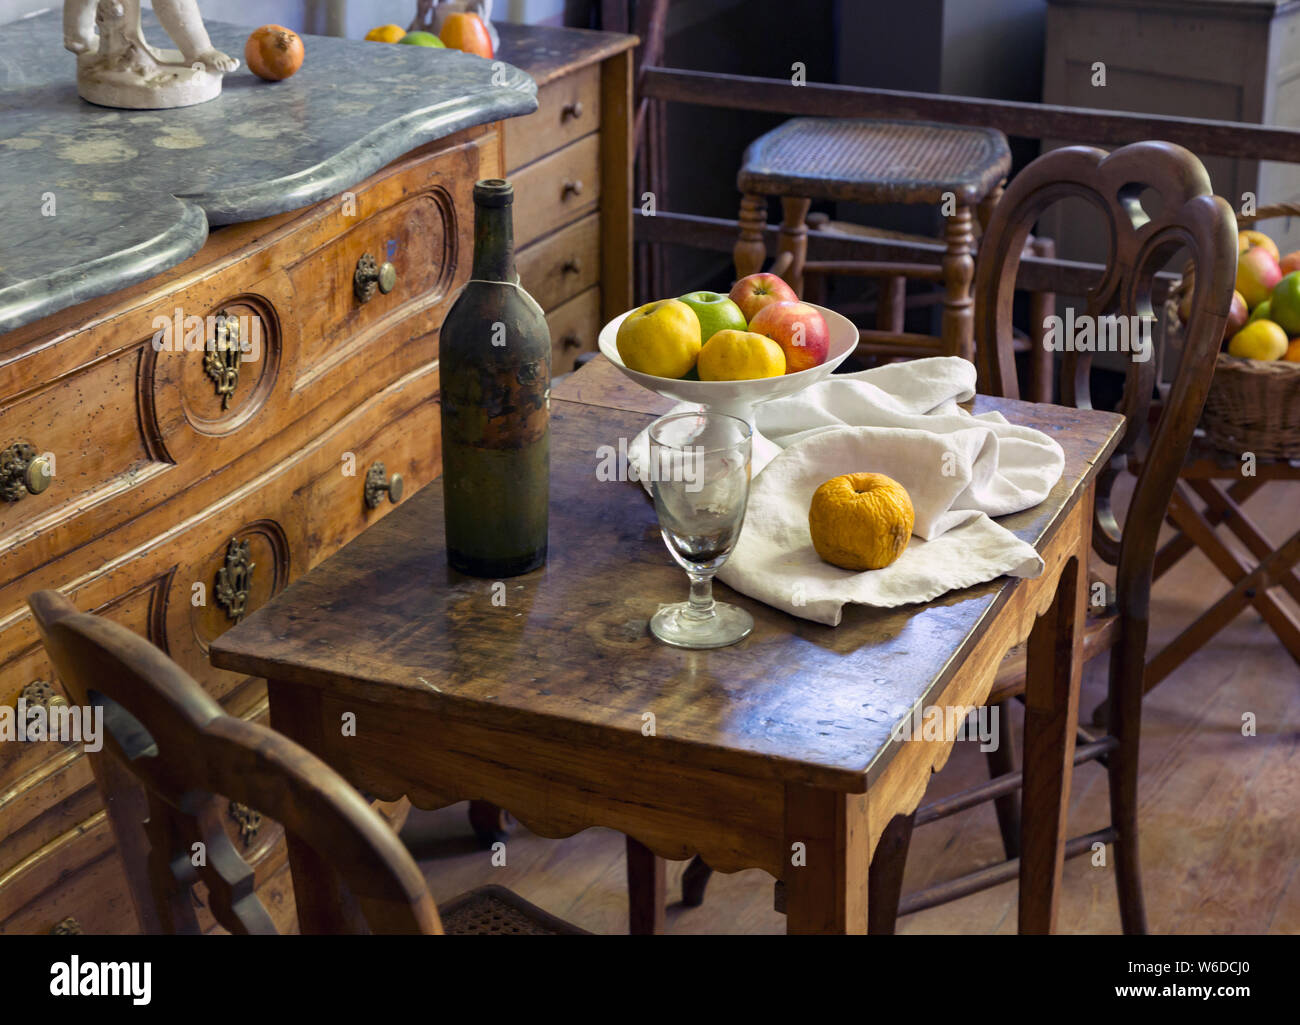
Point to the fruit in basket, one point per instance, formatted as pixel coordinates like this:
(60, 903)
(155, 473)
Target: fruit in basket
(753, 292)
(716, 313)
(861, 521)
(1284, 304)
(1261, 312)
(1290, 262)
(1257, 274)
(740, 356)
(799, 329)
(1293, 351)
(1261, 340)
(1238, 314)
(1247, 240)
(660, 338)
(466, 32)
(274, 52)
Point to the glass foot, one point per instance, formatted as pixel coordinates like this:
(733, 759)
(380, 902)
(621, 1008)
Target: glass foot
(675, 625)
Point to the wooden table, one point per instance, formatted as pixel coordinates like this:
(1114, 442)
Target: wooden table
(558, 705)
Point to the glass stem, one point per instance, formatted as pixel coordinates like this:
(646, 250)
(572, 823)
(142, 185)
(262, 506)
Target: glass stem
(701, 596)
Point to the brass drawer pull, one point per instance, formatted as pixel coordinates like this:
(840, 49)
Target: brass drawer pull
(68, 927)
(570, 341)
(571, 266)
(23, 472)
(378, 483)
(572, 188)
(370, 276)
(571, 110)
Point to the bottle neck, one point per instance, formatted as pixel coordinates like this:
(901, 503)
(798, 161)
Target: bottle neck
(494, 244)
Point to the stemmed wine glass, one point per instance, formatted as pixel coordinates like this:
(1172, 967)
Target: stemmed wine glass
(699, 476)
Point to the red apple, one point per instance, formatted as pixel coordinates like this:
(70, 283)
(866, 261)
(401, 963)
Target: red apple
(1257, 274)
(799, 329)
(1289, 263)
(754, 292)
(1238, 315)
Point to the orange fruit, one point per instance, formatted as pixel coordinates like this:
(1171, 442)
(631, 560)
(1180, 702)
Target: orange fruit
(274, 52)
(466, 32)
(386, 34)
(861, 521)
(1293, 351)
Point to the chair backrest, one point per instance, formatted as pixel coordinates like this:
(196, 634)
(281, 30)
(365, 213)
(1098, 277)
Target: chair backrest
(1187, 215)
(172, 760)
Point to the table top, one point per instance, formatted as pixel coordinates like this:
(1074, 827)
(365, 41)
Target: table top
(384, 619)
(135, 190)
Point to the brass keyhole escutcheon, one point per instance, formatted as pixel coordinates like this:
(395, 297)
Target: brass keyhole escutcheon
(235, 580)
(222, 359)
(378, 483)
(23, 472)
(370, 276)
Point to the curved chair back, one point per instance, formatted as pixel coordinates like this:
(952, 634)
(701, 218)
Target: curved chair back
(164, 734)
(1156, 440)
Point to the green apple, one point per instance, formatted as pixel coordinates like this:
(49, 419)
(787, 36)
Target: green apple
(716, 312)
(422, 39)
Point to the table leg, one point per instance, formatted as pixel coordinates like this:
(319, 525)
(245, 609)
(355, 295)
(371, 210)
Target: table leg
(1054, 667)
(647, 890)
(323, 907)
(827, 843)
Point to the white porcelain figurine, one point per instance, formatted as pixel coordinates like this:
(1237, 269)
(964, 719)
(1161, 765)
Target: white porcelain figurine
(430, 15)
(116, 66)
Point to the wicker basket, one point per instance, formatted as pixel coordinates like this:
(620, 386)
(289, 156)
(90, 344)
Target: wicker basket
(1253, 405)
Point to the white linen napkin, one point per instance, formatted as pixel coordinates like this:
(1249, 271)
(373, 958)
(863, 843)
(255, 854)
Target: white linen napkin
(902, 420)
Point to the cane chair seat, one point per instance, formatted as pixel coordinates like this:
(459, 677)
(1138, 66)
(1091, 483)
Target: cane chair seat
(866, 160)
(496, 911)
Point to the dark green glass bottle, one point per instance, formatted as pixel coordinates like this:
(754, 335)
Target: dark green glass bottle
(494, 352)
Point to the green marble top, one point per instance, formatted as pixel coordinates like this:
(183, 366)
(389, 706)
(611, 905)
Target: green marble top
(133, 193)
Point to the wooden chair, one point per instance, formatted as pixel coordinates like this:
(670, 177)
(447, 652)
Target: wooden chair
(173, 760)
(873, 161)
(1154, 445)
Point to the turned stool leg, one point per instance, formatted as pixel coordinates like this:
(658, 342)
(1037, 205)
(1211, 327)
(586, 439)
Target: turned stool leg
(958, 271)
(794, 239)
(750, 250)
(891, 307)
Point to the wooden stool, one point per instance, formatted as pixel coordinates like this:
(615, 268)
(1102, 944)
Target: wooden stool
(872, 161)
(1253, 585)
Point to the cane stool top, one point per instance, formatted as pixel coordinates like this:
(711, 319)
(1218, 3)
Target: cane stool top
(867, 160)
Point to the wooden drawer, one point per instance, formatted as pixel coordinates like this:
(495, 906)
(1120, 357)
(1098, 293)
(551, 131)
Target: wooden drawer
(575, 327)
(409, 444)
(560, 266)
(567, 109)
(557, 190)
(78, 876)
(130, 427)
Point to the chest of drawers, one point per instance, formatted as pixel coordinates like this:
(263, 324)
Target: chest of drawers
(571, 163)
(187, 485)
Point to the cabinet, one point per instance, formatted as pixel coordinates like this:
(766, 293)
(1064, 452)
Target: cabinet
(1228, 60)
(571, 163)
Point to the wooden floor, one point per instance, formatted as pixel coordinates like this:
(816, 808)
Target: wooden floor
(1220, 812)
